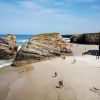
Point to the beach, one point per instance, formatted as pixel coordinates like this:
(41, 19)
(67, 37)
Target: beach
(80, 76)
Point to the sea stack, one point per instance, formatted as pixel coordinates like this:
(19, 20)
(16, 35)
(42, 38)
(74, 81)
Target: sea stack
(41, 47)
(8, 47)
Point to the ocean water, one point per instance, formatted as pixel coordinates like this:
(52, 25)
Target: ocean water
(4, 63)
(67, 39)
(20, 38)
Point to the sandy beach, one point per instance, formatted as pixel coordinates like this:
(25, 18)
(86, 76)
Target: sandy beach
(80, 75)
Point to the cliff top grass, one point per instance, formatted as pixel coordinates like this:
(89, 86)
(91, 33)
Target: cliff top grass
(47, 35)
(50, 34)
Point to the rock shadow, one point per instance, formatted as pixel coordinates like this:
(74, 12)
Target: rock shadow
(91, 52)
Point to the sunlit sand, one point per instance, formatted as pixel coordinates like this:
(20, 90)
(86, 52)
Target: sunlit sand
(80, 76)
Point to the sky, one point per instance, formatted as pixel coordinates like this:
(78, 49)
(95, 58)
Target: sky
(42, 16)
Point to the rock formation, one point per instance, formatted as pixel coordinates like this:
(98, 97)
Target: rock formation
(8, 47)
(40, 47)
(86, 38)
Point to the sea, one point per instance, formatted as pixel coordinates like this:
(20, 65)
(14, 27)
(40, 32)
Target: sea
(21, 39)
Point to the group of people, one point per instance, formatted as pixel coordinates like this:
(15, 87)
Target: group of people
(63, 57)
(60, 83)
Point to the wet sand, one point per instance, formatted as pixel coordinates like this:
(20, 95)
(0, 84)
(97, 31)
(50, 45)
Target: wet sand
(80, 75)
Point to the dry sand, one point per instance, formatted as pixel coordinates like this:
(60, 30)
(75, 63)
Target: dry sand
(80, 75)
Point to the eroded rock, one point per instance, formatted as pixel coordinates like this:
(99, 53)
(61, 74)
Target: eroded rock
(41, 47)
(8, 47)
(86, 38)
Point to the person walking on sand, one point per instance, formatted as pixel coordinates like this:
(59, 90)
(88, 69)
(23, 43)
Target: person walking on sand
(60, 84)
(55, 74)
(96, 56)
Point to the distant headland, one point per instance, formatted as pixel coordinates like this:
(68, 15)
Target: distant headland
(84, 38)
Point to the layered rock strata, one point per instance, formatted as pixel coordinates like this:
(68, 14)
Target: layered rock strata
(8, 47)
(40, 47)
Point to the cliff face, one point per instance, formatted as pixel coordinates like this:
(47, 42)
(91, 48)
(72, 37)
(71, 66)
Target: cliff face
(92, 38)
(8, 47)
(87, 38)
(41, 47)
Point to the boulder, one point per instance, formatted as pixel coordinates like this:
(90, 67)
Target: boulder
(8, 47)
(41, 47)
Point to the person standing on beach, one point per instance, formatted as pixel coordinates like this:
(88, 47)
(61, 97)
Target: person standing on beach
(60, 84)
(96, 56)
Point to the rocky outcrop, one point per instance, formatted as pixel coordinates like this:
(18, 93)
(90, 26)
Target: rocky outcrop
(8, 47)
(41, 47)
(86, 38)
(92, 38)
(67, 36)
(74, 38)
